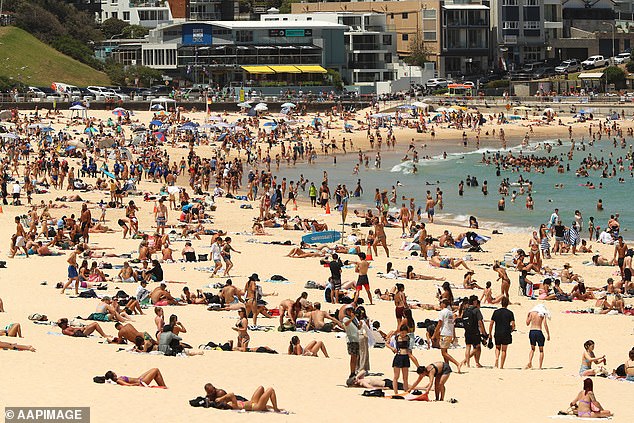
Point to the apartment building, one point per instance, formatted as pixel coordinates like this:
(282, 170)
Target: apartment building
(456, 34)
(152, 13)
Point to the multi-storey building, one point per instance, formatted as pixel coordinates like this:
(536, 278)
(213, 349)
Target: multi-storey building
(369, 43)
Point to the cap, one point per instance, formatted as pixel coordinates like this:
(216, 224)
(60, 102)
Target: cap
(106, 298)
(254, 277)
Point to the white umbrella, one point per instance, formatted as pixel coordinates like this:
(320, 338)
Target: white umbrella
(9, 135)
(288, 105)
(173, 189)
(157, 107)
(245, 105)
(260, 107)
(549, 110)
(77, 107)
(420, 105)
(76, 143)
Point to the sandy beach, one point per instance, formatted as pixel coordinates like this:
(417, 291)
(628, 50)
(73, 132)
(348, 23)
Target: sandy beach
(61, 371)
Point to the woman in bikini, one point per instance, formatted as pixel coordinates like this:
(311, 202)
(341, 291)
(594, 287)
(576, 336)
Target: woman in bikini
(587, 404)
(629, 367)
(534, 256)
(438, 373)
(311, 350)
(152, 375)
(226, 255)
(242, 327)
(409, 274)
(16, 347)
(588, 358)
(12, 329)
(259, 401)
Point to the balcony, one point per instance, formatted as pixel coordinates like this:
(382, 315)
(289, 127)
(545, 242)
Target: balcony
(553, 25)
(367, 47)
(363, 66)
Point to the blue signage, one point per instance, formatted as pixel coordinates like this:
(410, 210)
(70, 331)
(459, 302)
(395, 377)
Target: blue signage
(196, 34)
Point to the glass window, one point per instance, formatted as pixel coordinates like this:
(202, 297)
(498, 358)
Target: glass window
(114, 15)
(405, 37)
(387, 57)
(126, 16)
(405, 15)
(387, 40)
(531, 2)
(429, 14)
(429, 35)
(509, 2)
(244, 36)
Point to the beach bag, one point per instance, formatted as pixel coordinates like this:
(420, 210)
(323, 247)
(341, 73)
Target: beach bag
(529, 291)
(373, 393)
(99, 379)
(278, 278)
(202, 257)
(198, 402)
(88, 294)
(469, 321)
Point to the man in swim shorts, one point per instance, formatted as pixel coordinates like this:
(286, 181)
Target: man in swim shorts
(535, 319)
(361, 268)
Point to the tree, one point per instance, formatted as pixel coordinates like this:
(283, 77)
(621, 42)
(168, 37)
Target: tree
(419, 52)
(615, 75)
(146, 76)
(134, 31)
(335, 78)
(112, 27)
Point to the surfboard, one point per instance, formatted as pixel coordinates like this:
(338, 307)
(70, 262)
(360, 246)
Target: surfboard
(108, 174)
(324, 237)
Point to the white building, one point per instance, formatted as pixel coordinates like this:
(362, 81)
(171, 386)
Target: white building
(148, 13)
(369, 43)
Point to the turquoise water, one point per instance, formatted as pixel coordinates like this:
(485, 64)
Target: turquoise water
(462, 162)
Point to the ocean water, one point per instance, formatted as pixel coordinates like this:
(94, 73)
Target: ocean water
(446, 173)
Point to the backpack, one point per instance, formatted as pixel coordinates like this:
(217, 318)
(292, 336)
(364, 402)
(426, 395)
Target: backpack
(470, 320)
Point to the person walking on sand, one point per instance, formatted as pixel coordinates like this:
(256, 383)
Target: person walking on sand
(352, 325)
(504, 322)
(444, 333)
(474, 331)
(160, 215)
(537, 317)
(361, 267)
(429, 208)
(73, 275)
(380, 237)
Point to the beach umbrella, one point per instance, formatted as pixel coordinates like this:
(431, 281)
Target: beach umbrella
(161, 113)
(5, 114)
(107, 142)
(47, 129)
(70, 148)
(157, 107)
(260, 107)
(274, 124)
(215, 118)
(10, 135)
(160, 136)
(549, 110)
(245, 105)
(288, 105)
(119, 112)
(156, 123)
(76, 144)
(420, 105)
(91, 130)
(221, 125)
(77, 107)
(189, 125)
(406, 107)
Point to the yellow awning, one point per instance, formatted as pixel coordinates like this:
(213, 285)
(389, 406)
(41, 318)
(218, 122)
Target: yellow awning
(311, 69)
(285, 69)
(258, 69)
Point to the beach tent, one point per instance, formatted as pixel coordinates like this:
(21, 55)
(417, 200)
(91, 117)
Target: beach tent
(162, 103)
(244, 105)
(406, 107)
(107, 142)
(420, 105)
(124, 153)
(79, 111)
(549, 110)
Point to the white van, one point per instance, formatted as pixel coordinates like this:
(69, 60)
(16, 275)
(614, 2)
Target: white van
(71, 91)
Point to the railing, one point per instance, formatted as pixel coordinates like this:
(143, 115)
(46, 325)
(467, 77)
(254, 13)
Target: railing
(367, 46)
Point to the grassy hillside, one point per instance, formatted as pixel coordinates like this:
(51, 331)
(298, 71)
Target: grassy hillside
(30, 61)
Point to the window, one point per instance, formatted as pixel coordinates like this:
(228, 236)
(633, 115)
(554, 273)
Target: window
(531, 2)
(405, 37)
(114, 15)
(309, 19)
(509, 2)
(429, 35)
(531, 25)
(510, 25)
(126, 16)
(387, 57)
(391, 15)
(244, 36)
(404, 15)
(387, 40)
(532, 54)
(429, 14)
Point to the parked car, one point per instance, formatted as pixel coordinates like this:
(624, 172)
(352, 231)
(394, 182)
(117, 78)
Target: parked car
(621, 58)
(569, 66)
(532, 67)
(544, 72)
(101, 92)
(436, 83)
(36, 92)
(594, 62)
